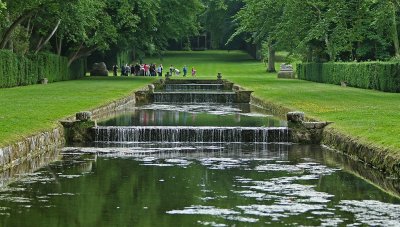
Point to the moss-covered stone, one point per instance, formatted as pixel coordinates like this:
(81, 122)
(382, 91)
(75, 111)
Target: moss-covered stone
(380, 158)
(78, 131)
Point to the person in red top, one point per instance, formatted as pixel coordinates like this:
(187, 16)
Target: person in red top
(146, 70)
(193, 72)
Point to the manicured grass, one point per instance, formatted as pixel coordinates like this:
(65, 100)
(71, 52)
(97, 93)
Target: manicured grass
(27, 110)
(369, 116)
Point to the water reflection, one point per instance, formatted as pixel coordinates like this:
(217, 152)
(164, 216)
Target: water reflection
(29, 166)
(193, 115)
(196, 184)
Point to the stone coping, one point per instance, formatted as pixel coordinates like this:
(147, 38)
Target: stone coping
(383, 159)
(32, 146)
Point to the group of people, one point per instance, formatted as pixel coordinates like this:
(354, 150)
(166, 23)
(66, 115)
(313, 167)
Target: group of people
(175, 71)
(149, 70)
(138, 70)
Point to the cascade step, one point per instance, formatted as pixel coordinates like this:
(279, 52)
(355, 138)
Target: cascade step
(194, 97)
(192, 134)
(194, 87)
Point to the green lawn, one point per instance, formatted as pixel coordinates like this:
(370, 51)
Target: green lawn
(27, 110)
(370, 116)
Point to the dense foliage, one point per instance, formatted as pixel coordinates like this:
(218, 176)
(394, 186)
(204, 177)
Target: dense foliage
(77, 28)
(18, 70)
(384, 76)
(319, 30)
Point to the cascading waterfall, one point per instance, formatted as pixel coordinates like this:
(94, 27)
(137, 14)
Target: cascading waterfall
(194, 87)
(192, 134)
(194, 97)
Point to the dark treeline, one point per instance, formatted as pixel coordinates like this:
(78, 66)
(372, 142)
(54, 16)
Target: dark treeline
(79, 28)
(320, 30)
(315, 30)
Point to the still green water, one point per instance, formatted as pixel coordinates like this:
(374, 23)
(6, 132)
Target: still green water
(230, 185)
(193, 115)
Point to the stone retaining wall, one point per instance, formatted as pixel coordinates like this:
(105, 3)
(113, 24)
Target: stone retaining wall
(29, 147)
(378, 158)
(33, 146)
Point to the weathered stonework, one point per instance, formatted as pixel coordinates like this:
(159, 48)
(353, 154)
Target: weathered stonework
(286, 75)
(78, 131)
(53, 139)
(379, 158)
(305, 132)
(83, 116)
(29, 147)
(243, 96)
(99, 69)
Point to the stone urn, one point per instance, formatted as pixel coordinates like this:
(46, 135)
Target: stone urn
(168, 76)
(219, 76)
(44, 81)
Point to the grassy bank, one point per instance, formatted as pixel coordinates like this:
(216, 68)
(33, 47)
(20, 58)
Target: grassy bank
(369, 116)
(27, 110)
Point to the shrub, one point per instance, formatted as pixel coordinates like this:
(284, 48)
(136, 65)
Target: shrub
(18, 70)
(384, 76)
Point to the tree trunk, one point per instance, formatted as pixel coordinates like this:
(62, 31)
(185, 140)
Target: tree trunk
(134, 53)
(39, 43)
(328, 49)
(81, 53)
(271, 58)
(9, 31)
(395, 34)
(48, 38)
(59, 45)
(74, 57)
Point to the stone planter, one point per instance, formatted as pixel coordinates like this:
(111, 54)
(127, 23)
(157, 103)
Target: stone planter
(44, 81)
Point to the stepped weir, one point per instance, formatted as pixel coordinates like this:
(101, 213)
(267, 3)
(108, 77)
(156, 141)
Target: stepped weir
(189, 92)
(192, 134)
(193, 91)
(194, 97)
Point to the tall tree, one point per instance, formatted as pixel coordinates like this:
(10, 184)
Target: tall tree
(264, 30)
(217, 20)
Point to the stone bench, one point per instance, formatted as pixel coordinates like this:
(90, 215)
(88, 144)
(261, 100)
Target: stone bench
(286, 72)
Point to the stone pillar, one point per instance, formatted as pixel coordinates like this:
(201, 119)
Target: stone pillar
(83, 116)
(295, 117)
(305, 132)
(243, 96)
(167, 76)
(235, 87)
(151, 88)
(44, 81)
(219, 77)
(79, 131)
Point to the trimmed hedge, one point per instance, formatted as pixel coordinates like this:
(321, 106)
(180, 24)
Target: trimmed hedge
(18, 70)
(383, 76)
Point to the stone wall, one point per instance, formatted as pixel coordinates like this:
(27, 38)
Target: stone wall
(29, 147)
(379, 158)
(48, 141)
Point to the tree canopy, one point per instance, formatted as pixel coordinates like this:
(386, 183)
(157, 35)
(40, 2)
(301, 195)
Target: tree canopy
(319, 30)
(76, 28)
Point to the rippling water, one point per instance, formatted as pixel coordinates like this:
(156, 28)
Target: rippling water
(196, 184)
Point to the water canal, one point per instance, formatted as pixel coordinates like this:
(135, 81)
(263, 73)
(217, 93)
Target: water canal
(170, 180)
